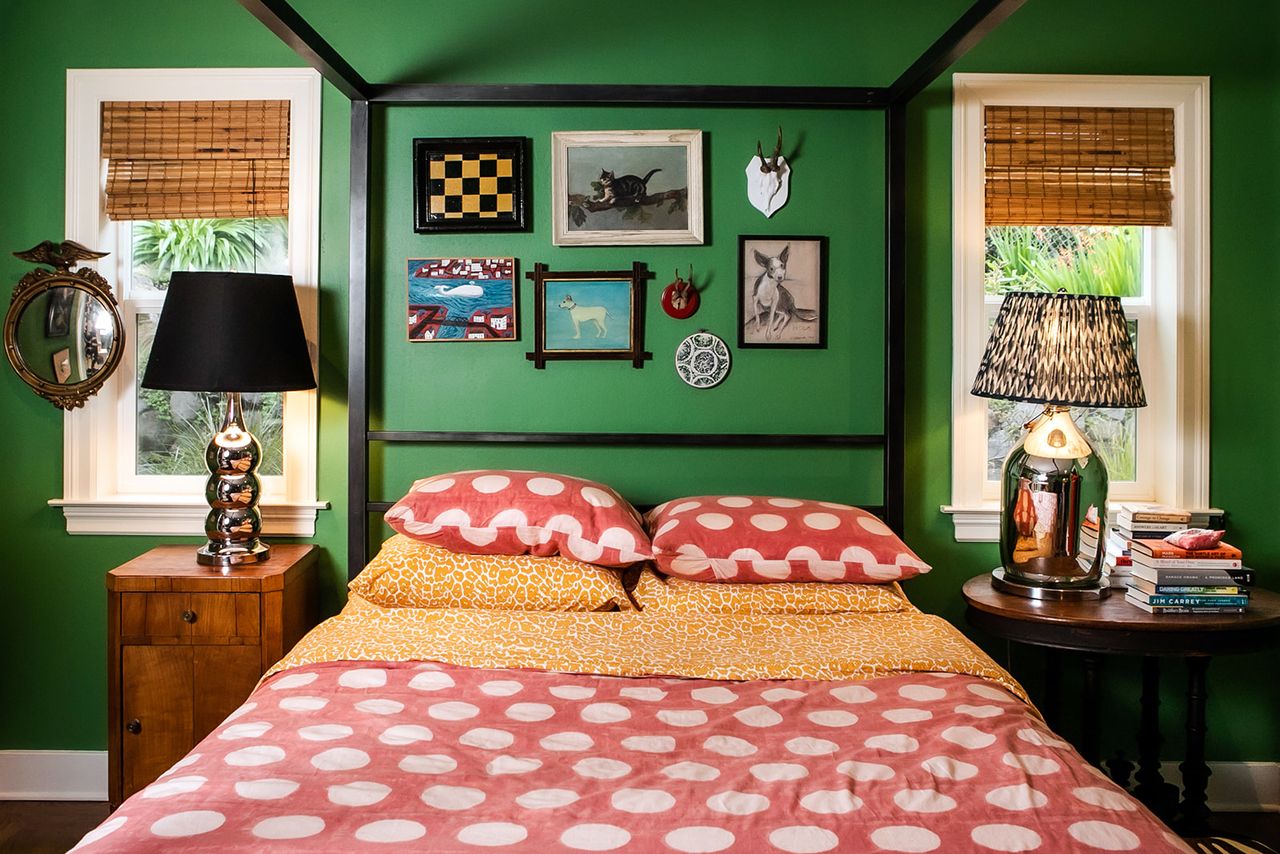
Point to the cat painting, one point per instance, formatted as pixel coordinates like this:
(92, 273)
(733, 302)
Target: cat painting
(624, 190)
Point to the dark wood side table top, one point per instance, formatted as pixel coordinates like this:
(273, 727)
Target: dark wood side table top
(1113, 625)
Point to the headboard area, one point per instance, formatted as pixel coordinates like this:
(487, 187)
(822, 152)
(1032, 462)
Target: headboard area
(825, 423)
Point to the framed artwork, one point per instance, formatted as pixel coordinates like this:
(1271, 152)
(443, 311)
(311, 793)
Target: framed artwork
(57, 322)
(474, 184)
(782, 291)
(462, 299)
(589, 315)
(62, 365)
(626, 188)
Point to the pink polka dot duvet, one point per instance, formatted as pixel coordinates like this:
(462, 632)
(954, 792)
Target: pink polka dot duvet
(523, 512)
(756, 539)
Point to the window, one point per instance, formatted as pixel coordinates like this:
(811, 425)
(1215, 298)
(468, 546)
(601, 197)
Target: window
(1159, 453)
(134, 461)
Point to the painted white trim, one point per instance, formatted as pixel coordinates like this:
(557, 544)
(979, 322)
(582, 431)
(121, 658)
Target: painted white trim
(974, 524)
(94, 470)
(81, 775)
(1178, 417)
(53, 775)
(179, 516)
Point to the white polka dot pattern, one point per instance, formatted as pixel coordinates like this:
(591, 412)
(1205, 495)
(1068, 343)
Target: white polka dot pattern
(761, 540)
(516, 513)
(526, 759)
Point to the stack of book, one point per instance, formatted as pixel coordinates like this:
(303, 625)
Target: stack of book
(1168, 580)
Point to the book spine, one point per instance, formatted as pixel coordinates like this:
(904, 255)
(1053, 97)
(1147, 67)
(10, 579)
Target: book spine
(1173, 609)
(1153, 519)
(1185, 563)
(1192, 590)
(1160, 600)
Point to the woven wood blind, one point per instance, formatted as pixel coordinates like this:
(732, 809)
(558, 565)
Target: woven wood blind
(187, 159)
(1078, 165)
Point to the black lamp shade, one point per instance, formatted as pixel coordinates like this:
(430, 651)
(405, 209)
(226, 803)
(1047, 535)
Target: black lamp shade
(229, 332)
(1061, 349)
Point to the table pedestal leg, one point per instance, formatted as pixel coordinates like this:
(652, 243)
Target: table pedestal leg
(1089, 738)
(1160, 797)
(1195, 773)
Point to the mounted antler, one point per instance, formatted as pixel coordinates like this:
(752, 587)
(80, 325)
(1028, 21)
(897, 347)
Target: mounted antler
(770, 165)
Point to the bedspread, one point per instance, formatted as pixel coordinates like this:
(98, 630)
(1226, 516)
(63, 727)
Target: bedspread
(366, 738)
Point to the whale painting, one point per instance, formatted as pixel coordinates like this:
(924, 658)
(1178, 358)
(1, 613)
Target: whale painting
(462, 299)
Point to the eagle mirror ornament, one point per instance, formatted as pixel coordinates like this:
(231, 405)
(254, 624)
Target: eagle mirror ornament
(63, 333)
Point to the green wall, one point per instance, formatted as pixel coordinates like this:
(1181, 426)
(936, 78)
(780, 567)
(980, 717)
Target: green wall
(53, 582)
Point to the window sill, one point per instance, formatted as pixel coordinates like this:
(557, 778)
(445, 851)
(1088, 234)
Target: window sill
(979, 524)
(177, 516)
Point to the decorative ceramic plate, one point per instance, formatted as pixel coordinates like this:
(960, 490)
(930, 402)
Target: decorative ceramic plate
(702, 360)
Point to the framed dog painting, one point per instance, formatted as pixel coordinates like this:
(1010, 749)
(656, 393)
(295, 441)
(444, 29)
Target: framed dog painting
(589, 315)
(626, 188)
(782, 291)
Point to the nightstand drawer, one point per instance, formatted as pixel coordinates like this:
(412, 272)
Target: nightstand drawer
(182, 618)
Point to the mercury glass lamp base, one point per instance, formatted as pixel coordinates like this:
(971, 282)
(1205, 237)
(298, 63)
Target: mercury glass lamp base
(232, 554)
(1053, 594)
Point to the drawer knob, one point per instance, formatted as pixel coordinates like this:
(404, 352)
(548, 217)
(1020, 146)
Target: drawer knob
(134, 726)
(188, 616)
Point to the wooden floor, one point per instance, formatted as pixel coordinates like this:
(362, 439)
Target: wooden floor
(51, 827)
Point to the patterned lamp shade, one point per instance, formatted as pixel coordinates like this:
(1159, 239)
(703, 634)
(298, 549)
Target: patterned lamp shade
(1061, 349)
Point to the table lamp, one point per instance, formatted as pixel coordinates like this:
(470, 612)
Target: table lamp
(1061, 350)
(230, 333)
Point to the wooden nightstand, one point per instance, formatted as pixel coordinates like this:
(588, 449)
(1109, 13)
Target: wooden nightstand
(186, 644)
(1112, 626)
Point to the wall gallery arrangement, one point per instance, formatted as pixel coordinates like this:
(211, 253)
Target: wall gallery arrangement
(609, 188)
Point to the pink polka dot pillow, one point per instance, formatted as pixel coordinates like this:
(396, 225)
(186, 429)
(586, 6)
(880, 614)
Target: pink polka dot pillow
(522, 512)
(754, 540)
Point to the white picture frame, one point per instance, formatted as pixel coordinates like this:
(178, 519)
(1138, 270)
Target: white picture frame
(652, 197)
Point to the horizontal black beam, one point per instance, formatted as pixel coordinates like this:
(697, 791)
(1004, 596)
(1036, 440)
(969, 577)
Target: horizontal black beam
(699, 440)
(972, 27)
(606, 94)
(292, 29)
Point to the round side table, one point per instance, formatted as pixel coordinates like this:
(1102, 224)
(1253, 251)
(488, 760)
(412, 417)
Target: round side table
(1112, 626)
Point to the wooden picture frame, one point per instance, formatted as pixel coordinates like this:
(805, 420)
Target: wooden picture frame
(471, 184)
(568, 325)
(462, 299)
(796, 316)
(653, 197)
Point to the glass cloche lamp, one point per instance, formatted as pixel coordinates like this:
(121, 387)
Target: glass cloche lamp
(1061, 350)
(230, 333)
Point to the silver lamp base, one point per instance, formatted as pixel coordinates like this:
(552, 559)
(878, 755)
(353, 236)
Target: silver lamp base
(1004, 584)
(232, 554)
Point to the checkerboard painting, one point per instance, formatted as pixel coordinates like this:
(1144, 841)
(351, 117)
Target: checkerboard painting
(469, 184)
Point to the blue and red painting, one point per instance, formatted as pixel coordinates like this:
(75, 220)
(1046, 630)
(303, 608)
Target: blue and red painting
(462, 299)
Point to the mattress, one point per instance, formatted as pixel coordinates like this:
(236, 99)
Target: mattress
(458, 731)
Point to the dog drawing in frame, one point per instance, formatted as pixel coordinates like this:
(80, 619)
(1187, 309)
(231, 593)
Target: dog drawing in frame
(772, 306)
(782, 297)
(581, 314)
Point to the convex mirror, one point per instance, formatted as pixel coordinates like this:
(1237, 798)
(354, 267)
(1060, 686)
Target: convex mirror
(63, 333)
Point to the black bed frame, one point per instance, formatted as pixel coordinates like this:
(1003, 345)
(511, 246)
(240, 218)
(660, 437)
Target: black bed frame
(982, 17)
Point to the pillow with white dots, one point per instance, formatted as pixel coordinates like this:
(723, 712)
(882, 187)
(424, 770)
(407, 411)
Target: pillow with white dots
(756, 539)
(522, 512)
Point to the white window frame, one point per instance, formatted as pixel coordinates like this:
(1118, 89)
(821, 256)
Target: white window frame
(101, 493)
(1173, 451)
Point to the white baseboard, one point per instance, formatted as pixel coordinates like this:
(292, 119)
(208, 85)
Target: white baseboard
(53, 775)
(81, 775)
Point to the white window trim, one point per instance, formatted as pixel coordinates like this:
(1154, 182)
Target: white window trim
(1180, 408)
(93, 500)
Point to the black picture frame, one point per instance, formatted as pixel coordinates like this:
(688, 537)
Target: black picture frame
(634, 278)
(57, 322)
(750, 271)
(456, 218)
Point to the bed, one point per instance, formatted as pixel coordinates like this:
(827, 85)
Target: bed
(460, 729)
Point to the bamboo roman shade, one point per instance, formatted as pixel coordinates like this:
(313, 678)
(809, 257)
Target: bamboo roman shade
(187, 159)
(1078, 165)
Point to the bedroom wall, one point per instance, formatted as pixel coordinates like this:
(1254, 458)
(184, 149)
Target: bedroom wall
(54, 630)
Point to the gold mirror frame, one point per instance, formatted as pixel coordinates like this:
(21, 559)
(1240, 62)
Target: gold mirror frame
(37, 282)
